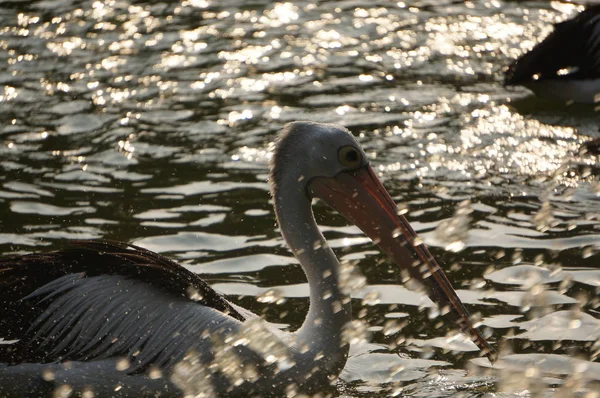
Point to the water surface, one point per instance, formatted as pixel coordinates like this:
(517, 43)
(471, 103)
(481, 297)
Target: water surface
(152, 123)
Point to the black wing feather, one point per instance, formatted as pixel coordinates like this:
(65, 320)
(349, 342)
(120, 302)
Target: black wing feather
(574, 45)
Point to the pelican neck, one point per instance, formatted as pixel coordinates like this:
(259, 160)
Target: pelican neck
(320, 335)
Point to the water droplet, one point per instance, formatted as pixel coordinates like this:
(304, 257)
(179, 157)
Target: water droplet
(193, 377)
(154, 373)
(453, 233)
(393, 327)
(575, 324)
(62, 391)
(371, 298)
(565, 284)
(48, 375)
(271, 296)
(544, 219)
(122, 364)
(433, 313)
(350, 278)
(87, 392)
(517, 256)
(194, 294)
(356, 332)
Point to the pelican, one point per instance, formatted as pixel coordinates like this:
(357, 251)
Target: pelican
(114, 319)
(565, 66)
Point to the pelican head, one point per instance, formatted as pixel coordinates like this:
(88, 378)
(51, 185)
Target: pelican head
(307, 150)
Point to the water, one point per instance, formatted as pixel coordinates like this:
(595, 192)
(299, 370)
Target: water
(152, 123)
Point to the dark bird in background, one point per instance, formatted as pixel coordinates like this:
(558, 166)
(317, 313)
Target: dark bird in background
(565, 66)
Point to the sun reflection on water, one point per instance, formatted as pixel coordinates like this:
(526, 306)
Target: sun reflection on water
(145, 110)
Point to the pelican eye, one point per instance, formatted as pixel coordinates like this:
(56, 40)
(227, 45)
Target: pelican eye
(350, 157)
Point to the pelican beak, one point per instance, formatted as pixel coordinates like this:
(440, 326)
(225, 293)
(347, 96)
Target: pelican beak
(361, 198)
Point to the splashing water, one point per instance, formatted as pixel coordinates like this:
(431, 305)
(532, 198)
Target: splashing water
(153, 123)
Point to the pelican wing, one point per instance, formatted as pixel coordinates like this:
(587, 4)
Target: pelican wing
(571, 51)
(102, 299)
(101, 317)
